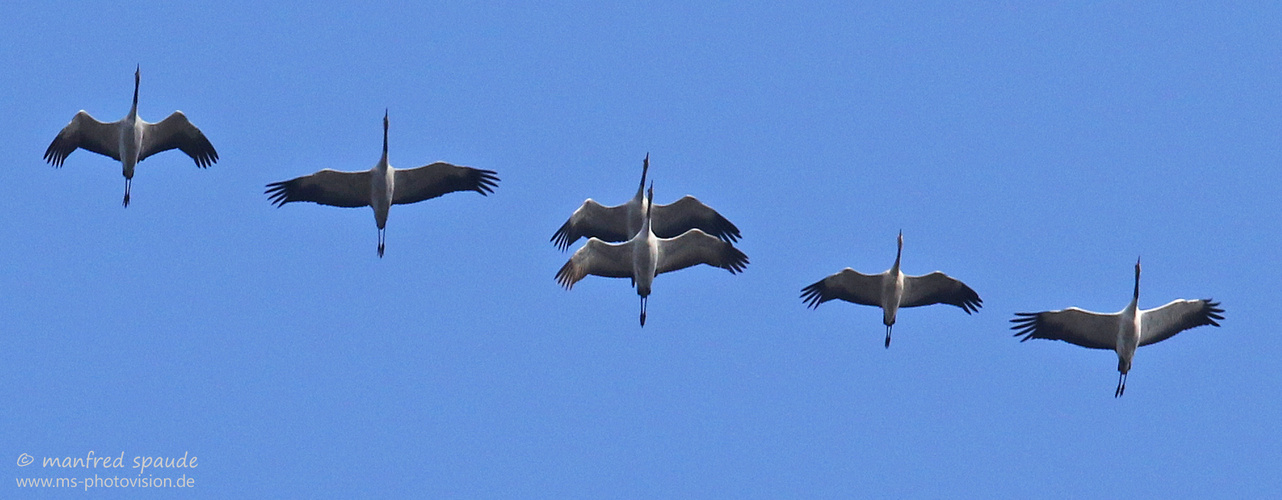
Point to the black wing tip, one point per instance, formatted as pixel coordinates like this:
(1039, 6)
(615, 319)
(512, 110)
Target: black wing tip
(563, 278)
(1022, 319)
(1024, 330)
(486, 181)
(726, 230)
(207, 156)
(207, 161)
(562, 237)
(738, 260)
(203, 154)
(1213, 311)
(813, 295)
(971, 302)
(723, 229)
(1024, 324)
(278, 193)
(56, 154)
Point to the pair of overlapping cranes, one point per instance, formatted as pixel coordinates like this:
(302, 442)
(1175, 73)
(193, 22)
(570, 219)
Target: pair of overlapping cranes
(636, 240)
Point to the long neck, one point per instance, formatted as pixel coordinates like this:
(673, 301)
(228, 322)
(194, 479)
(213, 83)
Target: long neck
(645, 224)
(645, 167)
(647, 203)
(382, 162)
(898, 253)
(133, 110)
(1136, 297)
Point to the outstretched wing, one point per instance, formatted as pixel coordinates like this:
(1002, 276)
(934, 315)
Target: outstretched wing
(611, 260)
(1075, 326)
(848, 285)
(1176, 316)
(417, 184)
(327, 187)
(939, 288)
(688, 213)
(175, 132)
(86, 133)
(696, 247)
(591, 220)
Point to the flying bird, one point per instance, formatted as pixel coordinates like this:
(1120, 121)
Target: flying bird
(646, 255)
(130, 140)
(892, 290)
(622, 222)
(1121, 331)
(382, 186)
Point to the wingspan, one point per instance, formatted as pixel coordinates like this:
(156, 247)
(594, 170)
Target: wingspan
(939, 288)
(84, 132)
(1176, 316)
(1075, 326)
(696, 247)
(327, 187)
(599, 258)
(593, 219)
(689, 213)
(848, 285)
(417, 184)
(175, 132)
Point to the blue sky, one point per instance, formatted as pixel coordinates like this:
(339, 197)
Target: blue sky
(1032, 151)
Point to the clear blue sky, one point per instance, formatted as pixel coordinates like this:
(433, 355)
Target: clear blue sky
(1033, 151)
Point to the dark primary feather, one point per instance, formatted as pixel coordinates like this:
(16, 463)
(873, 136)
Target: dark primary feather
(1179, 315)
(327, 187)
(939, 288)
(417, 184)
(175, 132)
(848, 285)
(83, 132)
